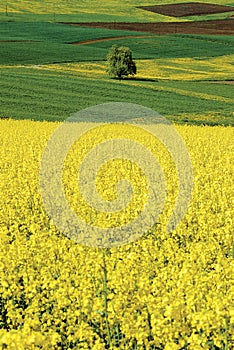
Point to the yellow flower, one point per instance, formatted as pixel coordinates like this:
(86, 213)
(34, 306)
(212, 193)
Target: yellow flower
(168, 289)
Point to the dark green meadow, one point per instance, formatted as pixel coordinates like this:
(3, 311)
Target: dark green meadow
(169, 46)
(55, 32)
(40, 43)
(44, 95)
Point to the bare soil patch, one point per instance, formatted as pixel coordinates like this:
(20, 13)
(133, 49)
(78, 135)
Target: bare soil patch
(188, 9)
(216, 27)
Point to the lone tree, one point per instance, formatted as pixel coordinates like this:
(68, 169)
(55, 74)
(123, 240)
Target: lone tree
(120, 62)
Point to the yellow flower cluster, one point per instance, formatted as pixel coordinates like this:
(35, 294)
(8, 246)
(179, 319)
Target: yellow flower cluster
(216, 68)
(120, 8)
(168, 290)
(98, 6)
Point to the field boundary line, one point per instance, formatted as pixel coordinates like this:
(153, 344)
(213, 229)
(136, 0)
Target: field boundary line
(93, 41)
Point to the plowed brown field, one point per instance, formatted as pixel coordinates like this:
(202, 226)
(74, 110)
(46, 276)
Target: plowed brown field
(188, 9)
(223, 27)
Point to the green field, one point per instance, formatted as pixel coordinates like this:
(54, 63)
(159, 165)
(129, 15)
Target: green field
(174, 46)
(54, 95)
(176, 73)
(38, 43)
(55, 32)
(55, 50)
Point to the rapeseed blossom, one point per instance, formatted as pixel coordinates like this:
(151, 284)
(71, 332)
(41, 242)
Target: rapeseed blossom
(168, 290)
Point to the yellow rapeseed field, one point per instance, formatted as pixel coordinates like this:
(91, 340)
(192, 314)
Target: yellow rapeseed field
(82, 8)
(216, 68)
(113, 7)
(168, 290)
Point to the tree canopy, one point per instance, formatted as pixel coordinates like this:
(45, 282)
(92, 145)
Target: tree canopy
(120, 62)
